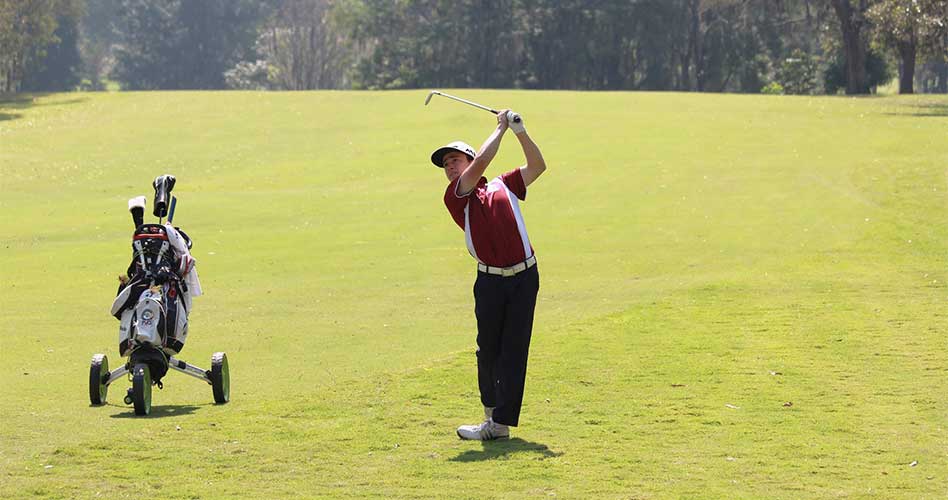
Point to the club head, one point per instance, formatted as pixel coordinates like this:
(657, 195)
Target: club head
(136, 206)
(137, 202)
(428, 99)
(163, 186)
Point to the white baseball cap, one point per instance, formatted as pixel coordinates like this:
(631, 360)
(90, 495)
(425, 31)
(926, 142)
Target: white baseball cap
(438, 156)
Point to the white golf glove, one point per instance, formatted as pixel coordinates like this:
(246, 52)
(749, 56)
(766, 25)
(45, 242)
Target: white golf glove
(515, 122)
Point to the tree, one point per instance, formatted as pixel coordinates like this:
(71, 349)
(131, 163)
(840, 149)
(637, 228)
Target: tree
(732, 45)
(853, 27)
(568, 44)
(705, 45)
(877, 72)
(910, 27)
(149, 42)
(797, 74)
(302, 48)
(97, 39)
(182, 44)
(896, 25)
(215, 34)
(27, 27)
(57, 66)
(432, 42)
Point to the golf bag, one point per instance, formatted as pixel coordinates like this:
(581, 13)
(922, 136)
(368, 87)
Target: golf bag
(153, 303)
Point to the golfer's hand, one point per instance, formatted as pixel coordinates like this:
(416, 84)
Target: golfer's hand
(502, 122)
(515, 122)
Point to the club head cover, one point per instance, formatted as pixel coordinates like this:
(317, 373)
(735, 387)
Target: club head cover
(163, 186)
(136, 206)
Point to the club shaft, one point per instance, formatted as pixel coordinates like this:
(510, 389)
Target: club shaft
(465, 101)
(174, 201)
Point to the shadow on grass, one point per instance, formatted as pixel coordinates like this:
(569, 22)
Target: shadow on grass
(492, 450)
(10, 103)
(16, 101)
(161, 411)
(923, 109)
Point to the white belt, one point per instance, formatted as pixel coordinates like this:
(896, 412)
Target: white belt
(508, 271)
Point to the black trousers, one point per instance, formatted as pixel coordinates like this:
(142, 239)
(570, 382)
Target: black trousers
(504, 308)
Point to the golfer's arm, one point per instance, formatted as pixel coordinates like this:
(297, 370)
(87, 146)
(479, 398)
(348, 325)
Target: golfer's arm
(477, 167)
(535, 164)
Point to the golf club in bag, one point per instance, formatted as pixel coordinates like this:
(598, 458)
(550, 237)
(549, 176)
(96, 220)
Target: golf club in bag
(152, 306)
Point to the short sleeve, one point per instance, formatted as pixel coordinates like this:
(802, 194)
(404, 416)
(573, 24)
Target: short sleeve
(455, 203)
(514, 182)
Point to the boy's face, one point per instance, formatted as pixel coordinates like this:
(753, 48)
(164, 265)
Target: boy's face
(454, 164)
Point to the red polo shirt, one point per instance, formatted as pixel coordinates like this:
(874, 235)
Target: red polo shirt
(491, 219)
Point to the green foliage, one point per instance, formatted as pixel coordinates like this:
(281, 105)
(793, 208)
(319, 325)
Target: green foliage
(878, 72)
(248, 76)
(436, 43)
(149, 45)
(798, 73)
(911, 29)
(300, 47)
(27, 29)
(772, 88)
(703, 45)
(182, 44)
(655, 45)
(98, 39)
(59, 66)
(917, 22)
(834, 76)
(734, 302)
(642, 44)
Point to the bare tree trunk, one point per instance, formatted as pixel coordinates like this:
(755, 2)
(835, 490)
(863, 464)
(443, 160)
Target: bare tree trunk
(907, 51)
(687, 55)
(486, 47)
(312, 65)
(695, 41)
(852, 22)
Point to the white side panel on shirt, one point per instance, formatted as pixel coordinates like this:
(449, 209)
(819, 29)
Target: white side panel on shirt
(467, 232)
(515, 205)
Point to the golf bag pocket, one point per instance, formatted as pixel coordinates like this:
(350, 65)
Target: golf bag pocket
(159, 320)
(125, 331)
(147, 318)
(127, 297)
(175, 324)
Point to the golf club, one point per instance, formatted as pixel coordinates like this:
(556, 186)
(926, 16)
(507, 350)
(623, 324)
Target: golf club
(136, 206)
(174, 202)
(465, 101)
(163, 185)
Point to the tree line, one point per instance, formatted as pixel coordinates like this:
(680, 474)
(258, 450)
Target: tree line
(774, 46)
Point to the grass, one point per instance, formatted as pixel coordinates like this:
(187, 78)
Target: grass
(741, 297)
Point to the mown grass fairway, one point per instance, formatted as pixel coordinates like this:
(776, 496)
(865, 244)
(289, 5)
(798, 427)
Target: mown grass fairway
(741, 297)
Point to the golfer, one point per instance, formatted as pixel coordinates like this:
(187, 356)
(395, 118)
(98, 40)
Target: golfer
(505, 293)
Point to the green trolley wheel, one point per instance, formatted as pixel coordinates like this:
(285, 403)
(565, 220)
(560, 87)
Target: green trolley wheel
(141, 389)
(220, 378)
(98, 376)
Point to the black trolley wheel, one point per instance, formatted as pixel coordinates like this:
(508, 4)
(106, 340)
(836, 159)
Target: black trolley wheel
(220, 377)
(98, 376)
(141, 389)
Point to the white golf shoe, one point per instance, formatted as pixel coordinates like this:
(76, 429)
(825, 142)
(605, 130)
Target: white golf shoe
(486, 431)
